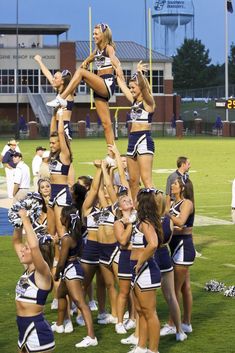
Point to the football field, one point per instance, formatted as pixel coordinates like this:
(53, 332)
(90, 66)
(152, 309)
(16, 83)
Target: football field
(212, 171)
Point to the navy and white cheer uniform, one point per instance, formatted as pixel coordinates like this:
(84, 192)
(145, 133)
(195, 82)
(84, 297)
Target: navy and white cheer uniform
(60, 194)
(162, 254)
(149, 276)
(67, 125)
(103, 61)
(140, 142)
(35, 334)
(181, 246)
(91, 249)
(124, 269)
(73, 268)
(108, 251)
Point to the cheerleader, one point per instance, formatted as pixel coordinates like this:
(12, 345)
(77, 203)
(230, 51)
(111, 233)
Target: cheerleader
(70, 269)
(140, 150)
(103, 83)
(181, 245)
(146, 238)
(33, 287)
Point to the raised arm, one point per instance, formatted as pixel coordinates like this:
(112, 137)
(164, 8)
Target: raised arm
(65, 153)
(125, 90)
(44, 69)
(40, 264)
(93, 192)
(17, 241)
(121, 172)
(144, 86)
(102, 200)
(108, 182)
(53, 125)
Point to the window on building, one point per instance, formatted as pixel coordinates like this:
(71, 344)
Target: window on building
(158, 81)
(27, 79)
(7, 81)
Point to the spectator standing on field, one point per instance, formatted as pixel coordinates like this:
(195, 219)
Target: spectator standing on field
(21, 178)
(183, 166)
(7, 161)
(36, 163)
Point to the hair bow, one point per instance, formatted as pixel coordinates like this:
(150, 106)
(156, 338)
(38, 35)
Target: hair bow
(74, 217)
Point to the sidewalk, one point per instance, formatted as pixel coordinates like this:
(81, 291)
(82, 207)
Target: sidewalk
(5, 204)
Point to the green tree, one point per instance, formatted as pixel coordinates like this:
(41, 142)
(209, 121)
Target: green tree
(190, 65)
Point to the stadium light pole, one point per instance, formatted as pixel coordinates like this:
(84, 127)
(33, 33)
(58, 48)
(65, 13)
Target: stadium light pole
(226, 58)
(17, 135)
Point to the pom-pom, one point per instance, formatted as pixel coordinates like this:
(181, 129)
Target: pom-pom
(230, 292)
(32, 204)
(215, 286)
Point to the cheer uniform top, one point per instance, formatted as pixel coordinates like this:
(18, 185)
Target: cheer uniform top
(148, 276)
(181, 245)
(40, 228)
(56, 167)
(27, 291)
(140, 142)
(107, 217)
(102, 60)
(138, 240)
(139, 115)
(175, 211)
(162, 254)
(92, 220)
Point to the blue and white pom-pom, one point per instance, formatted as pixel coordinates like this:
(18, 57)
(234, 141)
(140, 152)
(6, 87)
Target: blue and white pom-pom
(215, 286)
(32, 204)
(230, 292)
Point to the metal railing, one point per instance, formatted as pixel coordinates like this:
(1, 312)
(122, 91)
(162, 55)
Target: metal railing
(32, 102)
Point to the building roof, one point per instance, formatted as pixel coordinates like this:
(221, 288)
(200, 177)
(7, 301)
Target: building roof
(34, 29)
(125, 50)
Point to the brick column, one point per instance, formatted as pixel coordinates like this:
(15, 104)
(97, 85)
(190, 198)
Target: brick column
(226, 129)
(198, 126)
(81, 129)
(33, 129)
(179, 128)
(232, 129)
(68, 56)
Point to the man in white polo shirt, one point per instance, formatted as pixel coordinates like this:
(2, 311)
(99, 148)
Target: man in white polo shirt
(36, 163)
(21, 178)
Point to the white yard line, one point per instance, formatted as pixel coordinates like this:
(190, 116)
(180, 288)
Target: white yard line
(197, 284)
(229, 265)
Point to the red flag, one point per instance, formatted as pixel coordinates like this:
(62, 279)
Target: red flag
(230, 6)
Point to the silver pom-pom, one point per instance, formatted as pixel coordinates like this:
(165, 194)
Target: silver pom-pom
(215, 286)
(32, 203)
(230, 292)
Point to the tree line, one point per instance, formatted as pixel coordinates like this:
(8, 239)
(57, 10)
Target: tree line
(192, 66)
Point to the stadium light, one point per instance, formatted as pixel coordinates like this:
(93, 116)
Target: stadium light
(17, 135)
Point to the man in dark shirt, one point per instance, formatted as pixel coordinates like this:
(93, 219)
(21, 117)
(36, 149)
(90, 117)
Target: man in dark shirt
(10, 166)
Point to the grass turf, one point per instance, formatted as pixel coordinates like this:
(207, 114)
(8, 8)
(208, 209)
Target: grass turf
(212, 172)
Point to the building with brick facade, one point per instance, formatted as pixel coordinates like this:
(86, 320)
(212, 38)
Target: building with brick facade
(34, 90)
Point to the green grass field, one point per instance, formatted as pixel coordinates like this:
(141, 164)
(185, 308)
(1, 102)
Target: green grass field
(212, 172)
